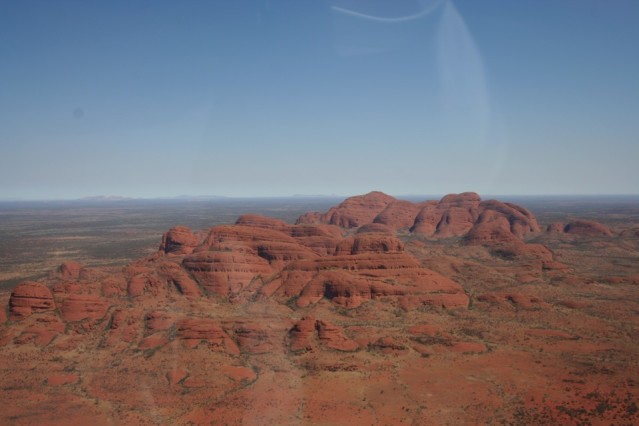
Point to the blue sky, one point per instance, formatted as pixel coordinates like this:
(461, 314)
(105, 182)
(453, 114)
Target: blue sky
(273, 98)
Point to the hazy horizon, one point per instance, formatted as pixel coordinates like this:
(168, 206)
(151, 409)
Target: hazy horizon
(212, 198)
(270, 99)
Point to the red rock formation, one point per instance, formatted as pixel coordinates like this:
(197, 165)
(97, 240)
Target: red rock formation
(194, 330)
(226, 270)
(238, 373)
(70, 270)
(253, 338)
(179, 240)
(308, 330)
(453, 216)
(30, 297)
(369, 243)
(587, 228)
(77, 307)
(352, 212)
(388, 345)
(174, 274)
(150, 344)
(124, 327)
(158, 321)
(333, 337)
(41, 331)
(353, 279)
(320, 239)
(301, 334)
(142, 283)
(427, 219)
(491, 228)
(259, 221)
(113, 287)
(398, 215)
(555, 228)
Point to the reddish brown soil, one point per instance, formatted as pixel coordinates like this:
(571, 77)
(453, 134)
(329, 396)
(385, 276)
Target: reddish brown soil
(379, 311)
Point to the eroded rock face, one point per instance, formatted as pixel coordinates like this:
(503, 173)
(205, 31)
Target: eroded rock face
(77, 307)
(252, 337)
(30, 297)
(398, 215)
(226, 270)
(194, 330)
(370, 243)
(309, 332)
(333, 337)
(302, 333)
(259, 221)
(353, 212)
(350, 280)
(70, 270)
(491, 227)
(179, 240)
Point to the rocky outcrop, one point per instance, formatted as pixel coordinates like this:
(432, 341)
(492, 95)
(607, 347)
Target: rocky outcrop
(77, 307)
(587, 228)
(351, 280)
(455, 215)
(491, 228)
(194, 330)
(333, 337)
(369, 243)
(176, 275)
(582, 228)
(251, 337)
(226, 269)
(352, 212)
(70, 270)
(301, 334)
(144, 283)
(124, 327)
(156, 321)
(179, 240)
(308, 332)
(30, 297)
(398, 215)
(264, 222)
(41, 331)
